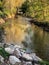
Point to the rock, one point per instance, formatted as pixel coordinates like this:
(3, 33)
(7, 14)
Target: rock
(34, 57)
(17, 46)
(9, 50)
(22, 50)
(1, 59)
(27, 56)
(36, 64)
(29, 51)
(1, 44)
(8, 45)
(14, 60)
(28, 63)
(37, 58)
(17, 52)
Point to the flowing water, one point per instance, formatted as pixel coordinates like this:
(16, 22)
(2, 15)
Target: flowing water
(20, 31)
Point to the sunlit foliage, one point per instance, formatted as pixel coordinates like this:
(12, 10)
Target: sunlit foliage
(38, 9)
(10, 6)
(1, 8)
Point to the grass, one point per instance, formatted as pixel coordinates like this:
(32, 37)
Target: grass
(43, 62)
(3, 53)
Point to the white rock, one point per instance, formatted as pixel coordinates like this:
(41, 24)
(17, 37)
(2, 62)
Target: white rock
(37, 58)
(22, 50)
(13, 60)
(17, 46)
(1, 59)
(9, 50)
(1, 44)
(34, 57)
(28, 63)
(27, 56)
(17, 52)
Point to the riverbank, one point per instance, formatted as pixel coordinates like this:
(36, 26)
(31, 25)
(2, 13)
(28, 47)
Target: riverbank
(18, 55)
(43, 25)
(39, 38)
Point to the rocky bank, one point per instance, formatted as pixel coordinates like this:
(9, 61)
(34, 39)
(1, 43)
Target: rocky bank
(17, 55)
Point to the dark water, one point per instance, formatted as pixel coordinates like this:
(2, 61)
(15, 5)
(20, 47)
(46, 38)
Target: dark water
(13, 32)
(41, 43)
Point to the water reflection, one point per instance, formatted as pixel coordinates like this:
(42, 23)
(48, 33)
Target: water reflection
(14, 29)
(41, 43)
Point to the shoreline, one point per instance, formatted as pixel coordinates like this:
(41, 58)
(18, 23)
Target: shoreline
(43, 25)
(16, 55)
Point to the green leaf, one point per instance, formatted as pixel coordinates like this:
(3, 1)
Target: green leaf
(4, 53)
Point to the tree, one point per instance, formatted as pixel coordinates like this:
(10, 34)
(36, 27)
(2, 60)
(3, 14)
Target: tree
(1, 5)
(25, 6)
(10, 6)
(1, 8)
(38, 9)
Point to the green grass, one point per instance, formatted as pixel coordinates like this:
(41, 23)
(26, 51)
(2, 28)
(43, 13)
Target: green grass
(43, 62)
(3, 53)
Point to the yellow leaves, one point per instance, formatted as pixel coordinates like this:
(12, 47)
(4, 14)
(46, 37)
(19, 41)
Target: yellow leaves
(30, 8)
(11, 6)
(0, 3)
(1, 21)
(46, 12)
(13, 3)
(40, 10)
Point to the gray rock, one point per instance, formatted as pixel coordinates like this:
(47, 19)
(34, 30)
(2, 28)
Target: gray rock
(34, 57)
(17, 52)
(29, 51)
(17, 46)
(27, 56)
(1, 59)
(37, 58)
(28, 63)
(10, 50)
(14, 60)
(1, 44)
